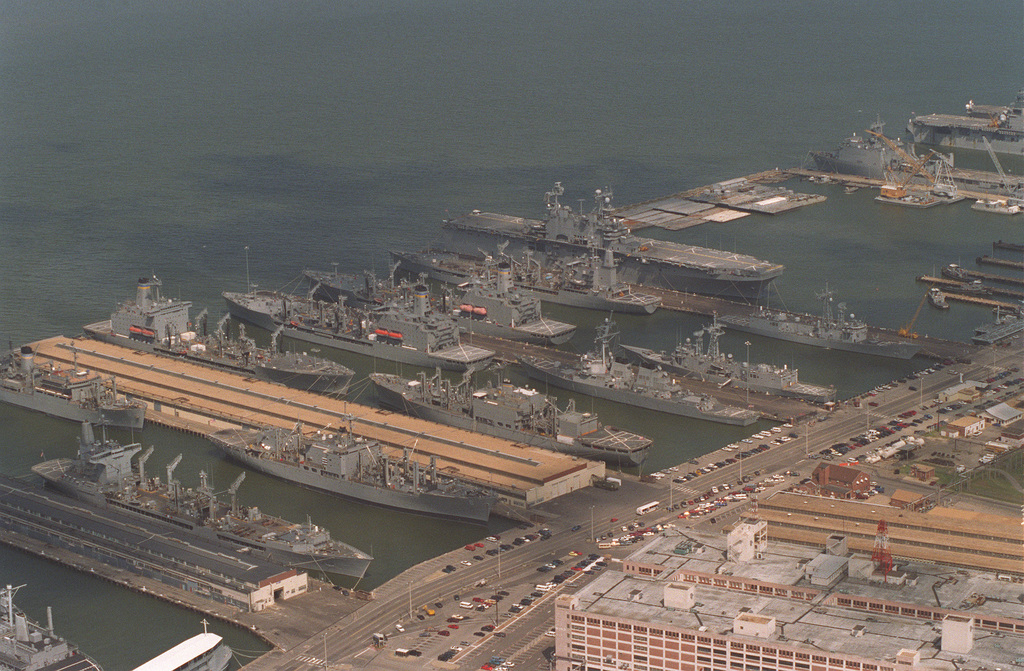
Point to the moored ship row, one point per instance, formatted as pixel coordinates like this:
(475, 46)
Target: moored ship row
(513, 413)
(599, 374)
(162, 325)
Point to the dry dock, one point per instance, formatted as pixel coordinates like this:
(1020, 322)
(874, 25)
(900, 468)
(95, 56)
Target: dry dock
(200, 399)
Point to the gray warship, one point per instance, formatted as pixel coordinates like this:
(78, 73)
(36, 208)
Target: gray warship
(28, 646)
(599, 374)
(1002, 126)
(937, 299)
(162, 325)
(67, 393)
(591, 285)
(710, 364)
(488, 305)
(413, 334)
(104, 476)
(513, 413)
(569, 236)
(355, 469)
(863, 155)
(1005, 325)
(831, 332)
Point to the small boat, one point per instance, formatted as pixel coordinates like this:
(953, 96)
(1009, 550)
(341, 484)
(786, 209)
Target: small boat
(937, 299)
(996, 206)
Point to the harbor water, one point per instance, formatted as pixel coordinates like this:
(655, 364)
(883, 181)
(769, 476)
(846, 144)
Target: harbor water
(218, 144)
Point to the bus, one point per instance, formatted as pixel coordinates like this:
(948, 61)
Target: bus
(648, 507)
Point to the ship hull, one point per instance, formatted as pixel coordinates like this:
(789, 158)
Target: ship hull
(463, 509)
(62, 408)
(943, 135)
(306, 381)
(631, 268)
(553, 374)
(892, 350)
(457, 358)
(588, 300)
(393, 398)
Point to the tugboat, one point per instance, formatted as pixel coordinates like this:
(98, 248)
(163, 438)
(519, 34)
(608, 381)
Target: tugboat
(67, 393)
(831, 332)
(408, 333)
(513, 413)
(711, 364)
(103, 476)
(599, 374)
(355, 469)
(937, 299)
(27, 646)
(156, 324)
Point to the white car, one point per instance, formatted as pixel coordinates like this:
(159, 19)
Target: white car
(466, 563)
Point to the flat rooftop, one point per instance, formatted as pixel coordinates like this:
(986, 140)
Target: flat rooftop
(820, 622)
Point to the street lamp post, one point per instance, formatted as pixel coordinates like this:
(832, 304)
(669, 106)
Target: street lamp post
(592, 536)
(410, 600)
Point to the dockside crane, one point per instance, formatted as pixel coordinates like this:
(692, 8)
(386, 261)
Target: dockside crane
(894, 189)
(915, 163)
(1013, 194)
(907, 331)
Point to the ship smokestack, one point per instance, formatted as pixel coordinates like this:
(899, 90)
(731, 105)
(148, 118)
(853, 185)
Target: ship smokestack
(49, 619)
(420, 298)
(28, 359)
(504, 277)
(143, 297)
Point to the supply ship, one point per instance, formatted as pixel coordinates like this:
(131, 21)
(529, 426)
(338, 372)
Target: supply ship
(513, 413)
(413, 334)
(591, 284)
(490, 306)
(839, 332)
(162, 325)
(104, 476)
(599, 374)
(1002, 126)
(568, 236)
(66, 393)
(355, 469)
(28, 646)
(691, 360)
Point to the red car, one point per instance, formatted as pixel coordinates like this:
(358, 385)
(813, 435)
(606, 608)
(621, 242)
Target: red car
(453, 626)
(444, 632)
(478, 545)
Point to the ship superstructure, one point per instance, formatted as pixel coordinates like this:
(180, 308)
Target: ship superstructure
(566, 235)
(104, 475)
(357, 469)
(400, 331)
(692, 360)
(511, 412)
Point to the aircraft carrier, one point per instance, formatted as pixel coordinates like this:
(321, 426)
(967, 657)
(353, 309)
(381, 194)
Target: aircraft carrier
(1001, 125)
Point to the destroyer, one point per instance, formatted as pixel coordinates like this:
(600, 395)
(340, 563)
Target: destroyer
(68, 393)
(567, 236)
(1002, 126)
(162, 325)
(831, 332)
(712, 365)
(513, 413)
(578, 284)
(27, 646)
(599, 374)
(413, 334)
(356, 469)
(103, 476)
(490, 306)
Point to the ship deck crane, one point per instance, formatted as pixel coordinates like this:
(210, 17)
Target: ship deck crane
(1013, 194)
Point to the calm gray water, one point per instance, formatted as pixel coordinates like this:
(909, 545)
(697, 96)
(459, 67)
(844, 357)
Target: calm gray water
(164, 138)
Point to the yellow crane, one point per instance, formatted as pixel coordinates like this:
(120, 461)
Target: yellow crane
(898, 188)
(906, 331)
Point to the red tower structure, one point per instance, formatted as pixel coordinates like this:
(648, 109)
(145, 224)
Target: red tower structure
(881, 555)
